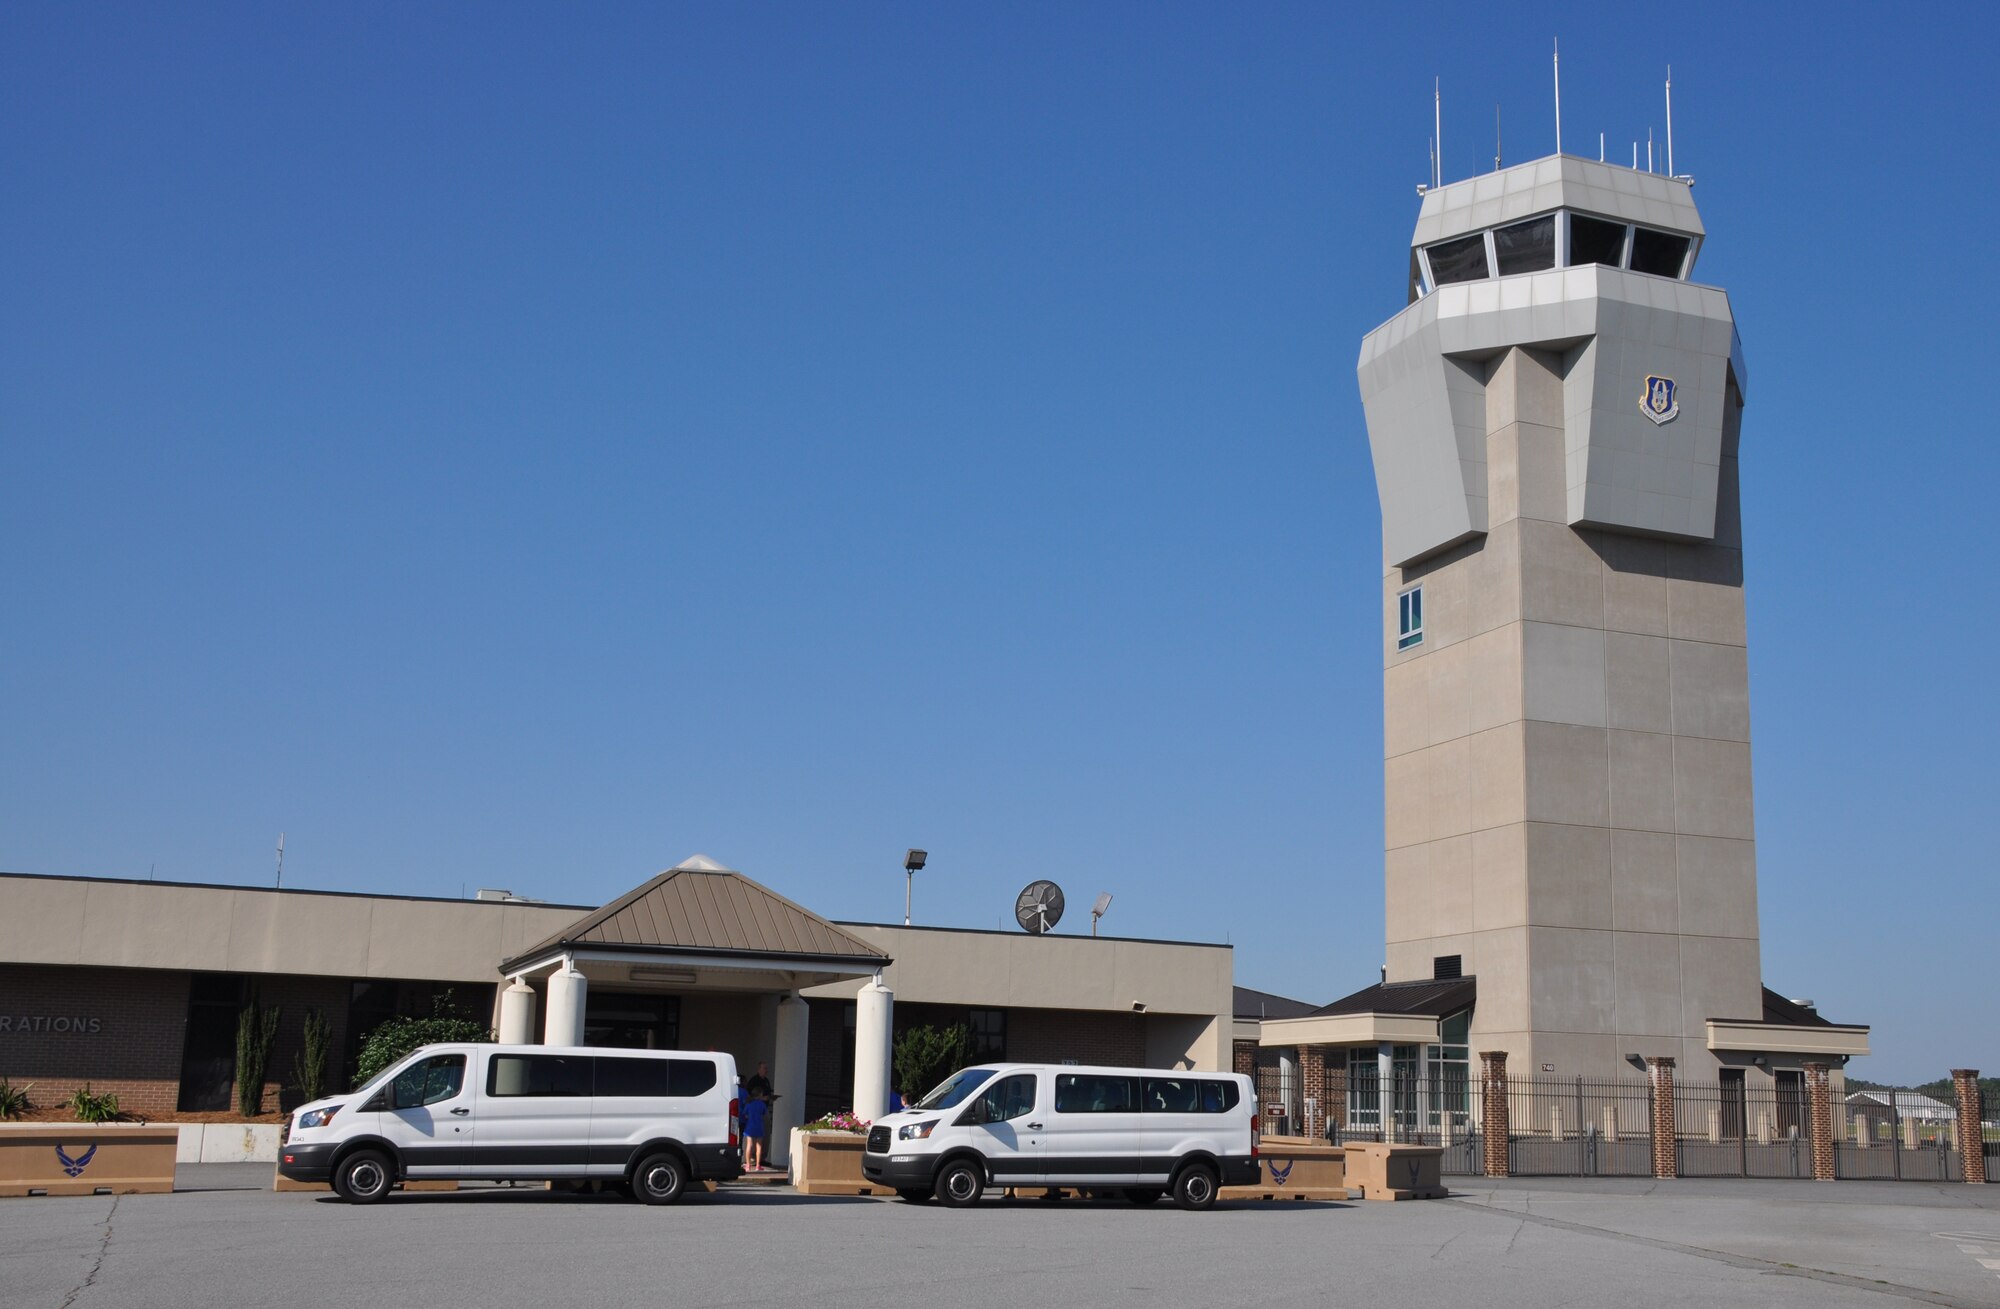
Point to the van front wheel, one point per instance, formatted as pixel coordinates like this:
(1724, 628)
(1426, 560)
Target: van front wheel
(364, 1177)
(660, 1178)
(1195, 1187)
(960, 1183)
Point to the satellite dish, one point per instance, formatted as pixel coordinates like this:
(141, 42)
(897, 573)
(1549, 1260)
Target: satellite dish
(1039, 907)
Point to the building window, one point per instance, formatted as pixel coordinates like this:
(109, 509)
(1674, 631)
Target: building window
(1410, 618)
(989, 1034)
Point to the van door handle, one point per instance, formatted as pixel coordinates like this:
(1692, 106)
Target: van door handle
(461, 1112)
(1034, 1127)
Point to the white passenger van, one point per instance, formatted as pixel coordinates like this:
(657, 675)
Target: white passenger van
(650, 1120)
(1142, 1131)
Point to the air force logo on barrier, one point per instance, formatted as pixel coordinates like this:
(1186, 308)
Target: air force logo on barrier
(74, 1166)
(1661, 400)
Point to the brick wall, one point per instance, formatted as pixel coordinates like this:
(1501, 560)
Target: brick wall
(1666, 1133)
(134, 1022)
(1049, 1036)
(1494, 1125)
(1244, 1054)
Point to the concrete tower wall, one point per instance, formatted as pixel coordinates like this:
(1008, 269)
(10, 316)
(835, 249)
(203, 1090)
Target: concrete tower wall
(1567, 749)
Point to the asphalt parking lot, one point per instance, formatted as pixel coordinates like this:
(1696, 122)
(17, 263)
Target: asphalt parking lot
(1540, 1242)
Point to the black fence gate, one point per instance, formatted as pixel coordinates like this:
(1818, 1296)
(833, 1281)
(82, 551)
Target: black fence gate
(1577, 1127)
(1880, 1141)
(1729, 1129)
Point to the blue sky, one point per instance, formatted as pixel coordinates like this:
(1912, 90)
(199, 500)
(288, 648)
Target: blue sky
(512, 446)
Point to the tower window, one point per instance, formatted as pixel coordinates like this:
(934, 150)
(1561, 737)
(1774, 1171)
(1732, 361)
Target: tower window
(1410, 618)
(1594, 241)
(1526, 247)
(1661, 253)
(1463, 260)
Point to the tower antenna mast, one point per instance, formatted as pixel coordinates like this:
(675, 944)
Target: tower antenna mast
(1437, 132)
(281, 861)
(1558, 60)
(1670, 120)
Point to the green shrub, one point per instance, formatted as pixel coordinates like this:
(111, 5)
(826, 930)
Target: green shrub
(398, 1036)
(926, 1056)
(14, 1099)
(90, 1108)
(309, 1064)
(256, 1029)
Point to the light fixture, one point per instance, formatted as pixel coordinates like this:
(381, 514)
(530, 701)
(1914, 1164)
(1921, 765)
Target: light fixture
(1097, 910)
(1138, 1006)
(1637, 1061)
(912, 861)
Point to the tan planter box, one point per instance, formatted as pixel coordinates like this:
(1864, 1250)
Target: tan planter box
(1395, 1172)
(1296, 1168)
(829, 1163)
(86, 1159)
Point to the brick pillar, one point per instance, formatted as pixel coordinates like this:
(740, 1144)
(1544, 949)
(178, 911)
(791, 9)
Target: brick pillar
(1666, 1159)
(1971, 1137)
(1493, 1111)
(1312, 1070)
(1819, 1111)
(1246, 1058)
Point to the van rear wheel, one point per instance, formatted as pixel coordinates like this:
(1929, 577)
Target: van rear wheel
(960, 1183)
(1195, 1187)
(1143, 1194)
(660, 1178)
(364, 1177)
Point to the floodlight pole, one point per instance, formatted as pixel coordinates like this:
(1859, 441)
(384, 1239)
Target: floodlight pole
(909, 880)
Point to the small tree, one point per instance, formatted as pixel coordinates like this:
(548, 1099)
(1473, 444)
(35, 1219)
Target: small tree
(256, 1029)
(926, 1056)
(400, 1035)
(309, 1064)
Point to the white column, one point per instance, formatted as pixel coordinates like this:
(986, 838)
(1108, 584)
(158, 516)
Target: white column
(874, 1020)
(788, 1077)
(1385, 1082)
(517, 1014)
(568, 989)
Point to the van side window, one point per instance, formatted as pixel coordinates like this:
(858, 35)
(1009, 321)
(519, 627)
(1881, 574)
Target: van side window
(1009, 1098)
(439, 1077)
(654, 1078)
(1171, 1095)
(1219, 1097)
(1096, 1093)
(538, 1075)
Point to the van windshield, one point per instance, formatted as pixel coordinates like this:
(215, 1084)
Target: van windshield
(955, 1088)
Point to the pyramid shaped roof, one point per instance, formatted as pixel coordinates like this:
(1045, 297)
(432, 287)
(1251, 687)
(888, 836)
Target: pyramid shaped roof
(699, 907)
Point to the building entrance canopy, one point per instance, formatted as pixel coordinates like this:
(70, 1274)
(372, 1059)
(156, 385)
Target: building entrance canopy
(699, 927)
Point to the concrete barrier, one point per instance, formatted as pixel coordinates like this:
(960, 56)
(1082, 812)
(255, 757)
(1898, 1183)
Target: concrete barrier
(1295, 1168)
(226, 1143)
(1385, 1171)
(85, 1158)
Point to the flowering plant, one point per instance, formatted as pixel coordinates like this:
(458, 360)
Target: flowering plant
(838, 1121)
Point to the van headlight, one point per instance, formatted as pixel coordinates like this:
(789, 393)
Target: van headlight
(915, 1131)
(318, 1117)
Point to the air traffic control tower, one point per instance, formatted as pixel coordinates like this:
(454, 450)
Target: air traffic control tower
(1554, 421)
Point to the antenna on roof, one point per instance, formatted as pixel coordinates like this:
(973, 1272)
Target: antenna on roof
(1600, 147)
(1496, 138)
(1649, 149)
(1558, 59)
(1437, 132)
(281, 861)
(1670, 120)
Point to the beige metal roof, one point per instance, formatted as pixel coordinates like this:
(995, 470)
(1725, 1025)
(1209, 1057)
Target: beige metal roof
(695, 910)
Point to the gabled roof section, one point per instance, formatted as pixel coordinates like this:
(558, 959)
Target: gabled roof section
(1431, 999)
(1788, 1013)
(702, 908)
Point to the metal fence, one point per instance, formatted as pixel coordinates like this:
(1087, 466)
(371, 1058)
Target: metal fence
(1577, 1127)
(1880, 1143)
(1420, 1109)
(1727, 1129)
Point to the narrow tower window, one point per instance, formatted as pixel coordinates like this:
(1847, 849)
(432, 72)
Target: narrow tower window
(1463, 260)
(1526, 247)
(1661, 253)
(1410, 618)
(1594, 241)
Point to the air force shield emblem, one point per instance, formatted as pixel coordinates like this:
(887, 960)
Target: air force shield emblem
(1660, 401)
(74, 1166)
